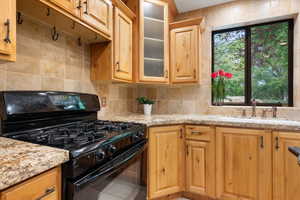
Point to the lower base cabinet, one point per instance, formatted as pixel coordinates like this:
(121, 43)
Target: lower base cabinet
(46, 186)
(166, 161)
(244, 164)
(200, 160)
(286, 169)
(222, 163)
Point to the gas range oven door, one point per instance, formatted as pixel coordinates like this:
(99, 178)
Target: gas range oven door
(98, 185)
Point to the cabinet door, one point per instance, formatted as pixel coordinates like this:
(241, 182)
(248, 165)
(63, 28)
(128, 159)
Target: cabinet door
(46, 186)
(154, 41)
(285, 166)
(69, 5)
(200, 167)
(184, 54)
(166, 151)
(8, 30)
(98, 13)
(244, 165)
(123, 46)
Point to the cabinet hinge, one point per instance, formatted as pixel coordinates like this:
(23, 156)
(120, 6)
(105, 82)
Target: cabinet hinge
(181, 133)
(187, 150)
(277, 143)
(262, 142)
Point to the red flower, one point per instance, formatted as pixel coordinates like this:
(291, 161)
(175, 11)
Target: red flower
(214, 75)
(228, 75)
(221, 72)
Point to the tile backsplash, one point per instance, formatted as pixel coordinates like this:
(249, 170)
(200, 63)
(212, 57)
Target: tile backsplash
(43, 64)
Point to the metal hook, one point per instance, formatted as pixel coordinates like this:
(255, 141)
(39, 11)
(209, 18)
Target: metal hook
(79, 42)
(54, 34)
(48, 12)
(73, 25)
(19, 18)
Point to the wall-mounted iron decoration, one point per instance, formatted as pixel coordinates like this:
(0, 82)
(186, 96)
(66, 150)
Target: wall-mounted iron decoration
(48, 12)
(73, 25)
(79, 42)
(19, 18)
(54, 34)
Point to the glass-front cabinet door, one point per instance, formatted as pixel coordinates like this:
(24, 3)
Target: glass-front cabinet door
(154, 41)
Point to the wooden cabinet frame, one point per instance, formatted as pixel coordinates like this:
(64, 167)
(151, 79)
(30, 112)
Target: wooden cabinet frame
(189, 73)
(142, 77)
(8, 28)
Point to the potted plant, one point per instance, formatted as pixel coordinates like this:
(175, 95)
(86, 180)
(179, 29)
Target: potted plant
(219, 79)
(147, 105)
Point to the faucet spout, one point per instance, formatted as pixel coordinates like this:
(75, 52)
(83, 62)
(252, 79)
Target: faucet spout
(253, 108)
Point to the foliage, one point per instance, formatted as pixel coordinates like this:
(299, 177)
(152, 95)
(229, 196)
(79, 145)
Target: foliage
(144, 100)
(269, 62)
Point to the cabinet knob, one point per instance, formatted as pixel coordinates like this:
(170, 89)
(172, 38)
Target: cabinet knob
(166, 74)
(118, 66)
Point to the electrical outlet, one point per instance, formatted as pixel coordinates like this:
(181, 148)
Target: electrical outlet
(103, 102)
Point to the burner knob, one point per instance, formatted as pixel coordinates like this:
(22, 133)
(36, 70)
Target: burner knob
(100, 154)
(112, 149)
(141, 134)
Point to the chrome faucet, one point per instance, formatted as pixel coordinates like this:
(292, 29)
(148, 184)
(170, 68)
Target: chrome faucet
(274, 111)
(253, 108)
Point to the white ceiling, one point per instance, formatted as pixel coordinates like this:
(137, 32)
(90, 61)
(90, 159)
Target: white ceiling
(188, 5)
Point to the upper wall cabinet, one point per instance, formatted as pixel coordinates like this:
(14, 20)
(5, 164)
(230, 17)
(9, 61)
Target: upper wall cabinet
(113, 61)
(98, 13)
(69, 5)
(185, 51)
(154, 41)
(184, 54)
(8, 30)
(123, 46)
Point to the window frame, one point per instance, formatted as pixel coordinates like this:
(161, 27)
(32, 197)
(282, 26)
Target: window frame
(248, 78)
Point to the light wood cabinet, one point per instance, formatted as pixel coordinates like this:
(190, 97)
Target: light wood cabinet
(44, 186)
(113, 61)
(154, 41)
(123, 46)
(8, 30)
(244, 169)
(200, 160)
(71, 6)
(184, 54)
(166, 161)
(98, 13)
(286, 169)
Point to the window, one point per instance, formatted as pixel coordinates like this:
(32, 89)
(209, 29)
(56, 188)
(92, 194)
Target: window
(260, 57)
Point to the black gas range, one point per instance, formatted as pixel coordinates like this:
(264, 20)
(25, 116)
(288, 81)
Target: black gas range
(98, 149)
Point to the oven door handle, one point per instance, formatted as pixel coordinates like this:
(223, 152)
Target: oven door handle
(112, 166)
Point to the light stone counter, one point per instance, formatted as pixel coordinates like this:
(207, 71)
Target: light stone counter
(156, 120)
(21, 160)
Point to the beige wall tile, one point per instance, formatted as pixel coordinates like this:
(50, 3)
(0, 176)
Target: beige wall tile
(21, 81)
(72, 85)
(2, 79)
(52, 84)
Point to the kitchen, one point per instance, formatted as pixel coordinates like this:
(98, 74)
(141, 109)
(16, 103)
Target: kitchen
(201, 142)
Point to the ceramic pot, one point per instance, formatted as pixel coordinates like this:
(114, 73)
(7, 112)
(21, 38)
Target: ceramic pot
(147, 109)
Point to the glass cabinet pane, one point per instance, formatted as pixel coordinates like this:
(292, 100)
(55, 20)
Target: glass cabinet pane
(153, 48)
(153, 11)
(154, 68)
(154, 26)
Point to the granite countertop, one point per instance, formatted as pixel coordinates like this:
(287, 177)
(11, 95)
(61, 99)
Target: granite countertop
(21, 160)
(156, 120)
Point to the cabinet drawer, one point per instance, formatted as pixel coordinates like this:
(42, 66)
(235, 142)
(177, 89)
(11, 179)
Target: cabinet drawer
(204, 133)
(45, 186)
